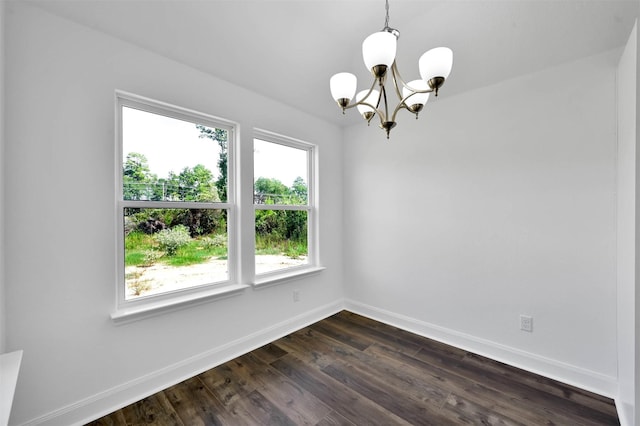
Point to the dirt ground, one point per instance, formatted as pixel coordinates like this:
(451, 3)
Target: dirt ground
(162, 278)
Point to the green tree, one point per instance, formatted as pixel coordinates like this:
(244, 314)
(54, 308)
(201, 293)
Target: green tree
(137, 179)
(276, 228)
(221, 136)
(270, 191)
(299, 190)
(197, 184)
(159, 190)
(209, 219)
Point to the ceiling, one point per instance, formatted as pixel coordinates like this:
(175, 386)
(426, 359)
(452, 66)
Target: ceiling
(288, 50)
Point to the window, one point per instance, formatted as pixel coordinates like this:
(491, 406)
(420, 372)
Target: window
(283, 201)
(175, 203)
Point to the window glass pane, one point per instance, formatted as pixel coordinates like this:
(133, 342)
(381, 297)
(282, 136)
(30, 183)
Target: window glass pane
(165, 159)
(173, 249)
(281, 239)
(280, 174)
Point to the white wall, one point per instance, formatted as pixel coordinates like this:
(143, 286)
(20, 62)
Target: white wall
(60, 257)
(626, 232)
(495, 203)
(2, 295)
(636, 406)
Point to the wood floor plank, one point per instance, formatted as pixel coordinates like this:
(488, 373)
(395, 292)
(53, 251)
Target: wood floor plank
(541, 399)
(505, 403)
(412, 410)
(154, 410)
(399, 339)
(227, 382)
(467, 412)
(195, 405)
(269, 353)
(334, 419)
(343, 333)
(393, 372)
(114, 419)
(263, 412)
(552, 387)
(334, 394)
(304, 344)
(351, 370)
(301, 406)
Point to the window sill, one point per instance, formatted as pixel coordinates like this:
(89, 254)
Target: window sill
(273, 278)
(134, 313)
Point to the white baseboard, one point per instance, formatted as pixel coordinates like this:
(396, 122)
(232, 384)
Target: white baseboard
(122, 395)
(553, 369)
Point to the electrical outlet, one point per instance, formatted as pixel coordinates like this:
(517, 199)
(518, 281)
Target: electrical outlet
(526, 323)
(296, 295)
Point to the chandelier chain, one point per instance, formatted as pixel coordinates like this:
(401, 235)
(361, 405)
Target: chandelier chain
(386, 20)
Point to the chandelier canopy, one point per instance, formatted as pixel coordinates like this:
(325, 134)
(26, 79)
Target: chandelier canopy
(379, 54)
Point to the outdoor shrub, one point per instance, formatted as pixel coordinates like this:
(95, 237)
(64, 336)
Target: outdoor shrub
(217, 241)
(200, 221)
(151, 226)
(129, 225)
(151, 257)
(170, 240)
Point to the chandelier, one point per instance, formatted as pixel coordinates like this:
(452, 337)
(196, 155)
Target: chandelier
(379, 54)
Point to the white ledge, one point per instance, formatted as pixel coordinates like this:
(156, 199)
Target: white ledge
(134, 313)
(271, 278)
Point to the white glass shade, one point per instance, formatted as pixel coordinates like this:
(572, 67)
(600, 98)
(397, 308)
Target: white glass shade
(436, 63)
(418, 98)
(379, 49)
(372, 99)
(343, 85)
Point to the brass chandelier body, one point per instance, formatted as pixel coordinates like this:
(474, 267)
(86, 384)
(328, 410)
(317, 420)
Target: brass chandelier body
(379, 56)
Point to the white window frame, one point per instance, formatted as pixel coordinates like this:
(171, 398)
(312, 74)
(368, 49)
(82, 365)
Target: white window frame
(313, 260)
(127, 310)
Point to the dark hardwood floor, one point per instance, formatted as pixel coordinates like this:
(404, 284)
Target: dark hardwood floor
(350, 370)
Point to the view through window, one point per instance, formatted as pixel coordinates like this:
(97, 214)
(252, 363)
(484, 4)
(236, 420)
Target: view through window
(174, 202)
(281, 200)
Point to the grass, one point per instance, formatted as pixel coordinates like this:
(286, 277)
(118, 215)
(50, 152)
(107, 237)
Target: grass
(272, 246)
(193, 253)
(143, 250)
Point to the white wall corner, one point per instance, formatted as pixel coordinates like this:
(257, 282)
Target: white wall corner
(626, 229)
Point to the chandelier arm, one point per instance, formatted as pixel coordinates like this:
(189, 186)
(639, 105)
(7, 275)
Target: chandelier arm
(381, 114)
(376, 108)
(383, 95)
(397, 76)
(403, 102)
(354, 104)
(398, 107)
